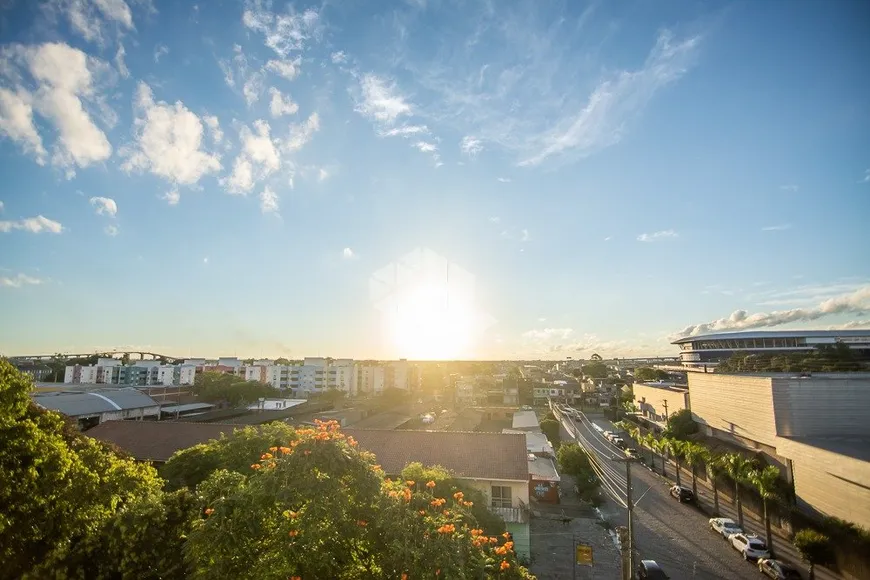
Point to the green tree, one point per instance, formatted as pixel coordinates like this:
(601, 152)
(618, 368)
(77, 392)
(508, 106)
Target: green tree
(681, 425)
(714, 469)
(766, 482)
(676, 447)
(552, 429)
(282, 361)
(648, 374)
(595, 370)
(739, 469)
(236, 452)
(574, 461)
(58, 488)
(319, 508)
(694, 455)
(814, 548)
(235, 391)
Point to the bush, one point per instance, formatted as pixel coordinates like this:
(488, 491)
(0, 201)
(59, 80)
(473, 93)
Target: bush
(681, 425)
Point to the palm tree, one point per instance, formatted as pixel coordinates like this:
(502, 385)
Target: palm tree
(693, 454)
(713, 467)
(765, 482)
(675, 447)
(661, 446)
(739, 469)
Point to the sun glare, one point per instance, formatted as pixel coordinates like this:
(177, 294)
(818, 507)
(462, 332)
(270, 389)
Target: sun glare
(429, 323)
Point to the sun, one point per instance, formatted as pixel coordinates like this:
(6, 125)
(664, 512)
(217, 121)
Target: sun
(430, 324)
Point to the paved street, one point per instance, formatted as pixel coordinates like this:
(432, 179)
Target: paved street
(675, 535)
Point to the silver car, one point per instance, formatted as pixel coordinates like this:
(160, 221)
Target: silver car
(725, 527)
(751, 546)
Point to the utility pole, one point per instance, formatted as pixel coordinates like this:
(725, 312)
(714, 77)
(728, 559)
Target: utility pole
(629, 502)
(667, 417)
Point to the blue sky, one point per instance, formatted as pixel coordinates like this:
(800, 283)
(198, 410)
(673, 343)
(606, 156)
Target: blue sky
(429, 178)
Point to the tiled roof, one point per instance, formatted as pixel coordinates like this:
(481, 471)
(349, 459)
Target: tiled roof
(467, 454)
(157, 440)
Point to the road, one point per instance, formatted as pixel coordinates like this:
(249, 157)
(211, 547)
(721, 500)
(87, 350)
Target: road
(675, 535)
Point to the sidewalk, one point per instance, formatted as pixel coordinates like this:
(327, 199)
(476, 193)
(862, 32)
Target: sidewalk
(782, 547)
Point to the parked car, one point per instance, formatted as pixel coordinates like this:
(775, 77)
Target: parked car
(608, 435)
(649, 570)
(725, 527)
(631, 452)
(683, 494)
(619, 442)
(778, 570)
(751, 546)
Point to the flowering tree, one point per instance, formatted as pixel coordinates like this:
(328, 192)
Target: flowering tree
(317, 507)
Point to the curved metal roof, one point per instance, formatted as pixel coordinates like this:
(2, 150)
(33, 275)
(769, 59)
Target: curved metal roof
(85, 403)
(776, 334)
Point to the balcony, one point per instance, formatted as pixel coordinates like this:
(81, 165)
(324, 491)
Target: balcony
(512, 515)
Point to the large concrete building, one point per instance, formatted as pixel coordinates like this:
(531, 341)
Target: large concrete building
(90, 408)
(658, 401)
(815, 428)
(710, 349)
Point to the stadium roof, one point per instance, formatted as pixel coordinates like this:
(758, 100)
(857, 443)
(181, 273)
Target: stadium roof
(86, 403)
(776, 334)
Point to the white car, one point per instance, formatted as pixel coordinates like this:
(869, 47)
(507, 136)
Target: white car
(725, 527)
(608, 435)
(751, 546)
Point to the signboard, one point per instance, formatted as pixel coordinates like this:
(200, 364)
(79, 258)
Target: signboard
(584, 554)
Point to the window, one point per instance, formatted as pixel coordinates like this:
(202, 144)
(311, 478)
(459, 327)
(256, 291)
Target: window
(501, 496)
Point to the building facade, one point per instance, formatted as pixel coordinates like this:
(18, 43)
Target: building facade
(658, 401)
(710, 349)
(814, 428)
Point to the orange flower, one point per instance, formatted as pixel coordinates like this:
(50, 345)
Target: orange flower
(422, 512)
(404, 576)
(394, 494)
(362, 523)
(468, 503)
(266, 456)
(508, 546)
(352, 442)
(504, 565)
(307, 452)
(476, 532)
(437, 502)
(209, 511)
(256, 466)
(501, 551)
(458, 496)
(295, 577)
(446, 512)
(430, 484)
(410, 483)
(285, 450)
(291, 514)
(407, 494)
(447, 529)
(493, 540)
(376, 467)
(293, 533)
(506, 535)
(273, 449)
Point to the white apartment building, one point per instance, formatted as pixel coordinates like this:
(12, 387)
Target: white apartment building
(370, 379)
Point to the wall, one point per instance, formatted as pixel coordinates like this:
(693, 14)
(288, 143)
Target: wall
(519, 489)
(830, 483)
(736, 405)
(650, 401)
(822, 406)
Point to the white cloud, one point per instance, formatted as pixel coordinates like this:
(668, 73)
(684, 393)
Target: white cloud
(205, 260)
(866, 176)
(279, 105)
(18, 281)
(64, 77)
(252, 88)
(34, 225)
(160, 51)
(167, 141)
(791, 188)
(495, 219)
(524, 236)
(339, 57)
(322, 174)
(851, 325)
(1, 207)
(302, 133)
(90, 18)
(119, 62)
(105, 206)
(214, 128)
(16, 122)
(268, 201)
(172, 197)
(257, 159)
(608, 238)
(426, 147)
(857, 302)
(613, 103)
(547, 334)
(380, 100)
(289, 69)
(657, 236)
(348, 254)
(283, 33)
(503, 179)
(471, 146)
(111, 230)
(777, 228)
(404, 131)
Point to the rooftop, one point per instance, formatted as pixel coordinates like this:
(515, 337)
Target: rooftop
(854, 447)
(486, 456)
(543, 469)
(525, 420)
(93, 402)
(778, 334)
(157, 441)
(665, 386)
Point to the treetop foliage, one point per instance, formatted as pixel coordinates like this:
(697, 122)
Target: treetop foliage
(827, 358)
(215, 386)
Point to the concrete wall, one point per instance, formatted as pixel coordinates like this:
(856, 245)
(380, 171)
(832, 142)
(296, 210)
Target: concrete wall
(830, 483)
(519, 490)
(740, 406)
(650, 401)
(822, 406)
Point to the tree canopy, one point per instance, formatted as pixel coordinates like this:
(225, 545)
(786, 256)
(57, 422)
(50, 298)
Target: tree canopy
(645, 374)
(826, 358)
(595, 370)
(681, 425)
(235, 391)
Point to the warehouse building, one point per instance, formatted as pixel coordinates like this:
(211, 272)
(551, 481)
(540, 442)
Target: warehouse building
(90, 408)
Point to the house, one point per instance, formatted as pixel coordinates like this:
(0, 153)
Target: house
(536, 443)
(95, 406)
(543, 479)
(526, 421)
(494, 463)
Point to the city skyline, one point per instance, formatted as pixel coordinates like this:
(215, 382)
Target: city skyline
(429, 179)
